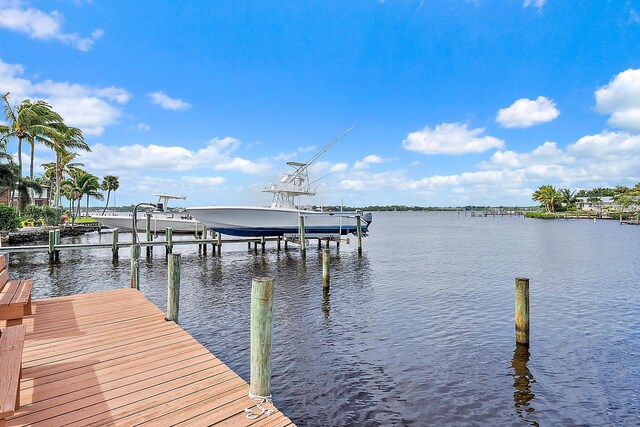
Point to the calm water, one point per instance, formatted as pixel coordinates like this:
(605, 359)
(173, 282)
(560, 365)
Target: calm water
(419, 330)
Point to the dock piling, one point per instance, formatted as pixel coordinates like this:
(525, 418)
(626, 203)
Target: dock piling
(56, 253)
(149, 236)
(303, 242)
(169, 239)
(114, 244)
(325, 269)
(359, 231)
(173, 291)
(52, 245)
(278, 247)
(263, 243)
(261, 337)
(135, 272)
(204, 237)
(522, 311)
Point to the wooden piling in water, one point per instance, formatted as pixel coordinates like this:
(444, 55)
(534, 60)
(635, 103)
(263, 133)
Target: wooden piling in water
(114, 244)
(52, 245)
(326, 279)
(204, 237)
(261, 336)
(173, 287)
(359, 232)
(522, 311)
(303, 242)
(168, 237)
(56, 253)
(278, 245)
(149, 235)
(263, 243)
(135, 271)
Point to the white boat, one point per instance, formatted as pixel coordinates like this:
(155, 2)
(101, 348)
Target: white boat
(180, 222)
(283, 217)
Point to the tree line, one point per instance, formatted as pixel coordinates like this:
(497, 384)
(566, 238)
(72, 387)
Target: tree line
(35, 122)
(553, 199)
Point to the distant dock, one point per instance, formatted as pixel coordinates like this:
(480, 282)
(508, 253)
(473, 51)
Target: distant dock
(110, 358)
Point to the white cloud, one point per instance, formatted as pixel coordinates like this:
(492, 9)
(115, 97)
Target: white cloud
(339, 167)
(87, 107)
(285, 157)
(18, 16)
(217, 155)
(162, 99)
(143, 127)
(546, 153)
(525, 113)
(621, 99)
(369, 160)
(534, 3)
(450, 138)
(205, 181)
(373, 158)
(508, 177)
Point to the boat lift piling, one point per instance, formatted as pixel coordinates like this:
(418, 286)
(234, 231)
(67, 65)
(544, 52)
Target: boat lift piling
(149, 235)
(303, 242)
(169, 240)
(114, 244)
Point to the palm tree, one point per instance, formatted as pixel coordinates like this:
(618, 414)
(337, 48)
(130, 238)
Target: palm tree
(68, 189)
(87, 184)
(109, 183)
(548, 196)
(25, 187)
(567, 197)
(64, 139)
(34, 122)
(61, 168)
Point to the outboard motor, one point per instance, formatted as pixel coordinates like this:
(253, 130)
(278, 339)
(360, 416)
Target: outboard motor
(367, 217)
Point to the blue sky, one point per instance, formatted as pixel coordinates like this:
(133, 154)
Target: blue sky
(456, 102)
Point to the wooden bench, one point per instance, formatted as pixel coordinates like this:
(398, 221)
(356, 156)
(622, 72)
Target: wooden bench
(15, 296)
(11, 346)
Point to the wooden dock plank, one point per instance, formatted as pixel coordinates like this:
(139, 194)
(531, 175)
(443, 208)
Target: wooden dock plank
(110, 358)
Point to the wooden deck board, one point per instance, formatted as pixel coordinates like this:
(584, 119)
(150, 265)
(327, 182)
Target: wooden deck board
(110, 358)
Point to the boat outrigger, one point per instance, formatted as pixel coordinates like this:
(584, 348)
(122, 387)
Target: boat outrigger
(283, 216)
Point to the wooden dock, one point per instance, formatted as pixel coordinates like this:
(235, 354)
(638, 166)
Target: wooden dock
(110, 358)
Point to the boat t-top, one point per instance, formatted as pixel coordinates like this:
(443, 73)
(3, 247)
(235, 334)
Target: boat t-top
(180, 221)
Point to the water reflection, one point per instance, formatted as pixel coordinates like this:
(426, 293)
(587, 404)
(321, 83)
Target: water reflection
(522, 381)
(326, 304)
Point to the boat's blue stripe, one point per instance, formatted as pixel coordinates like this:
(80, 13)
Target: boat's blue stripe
(258, 232)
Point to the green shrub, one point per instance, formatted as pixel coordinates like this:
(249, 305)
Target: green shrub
(544, 215)
(50, 215)
(8, 218)
(41, 215)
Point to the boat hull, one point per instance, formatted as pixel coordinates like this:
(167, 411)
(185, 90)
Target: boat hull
(158, 223)
(256, 222)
